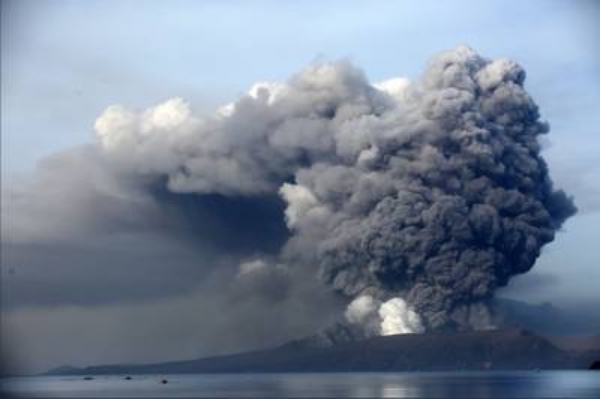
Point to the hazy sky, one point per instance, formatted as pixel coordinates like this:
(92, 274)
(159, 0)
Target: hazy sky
(64, 62)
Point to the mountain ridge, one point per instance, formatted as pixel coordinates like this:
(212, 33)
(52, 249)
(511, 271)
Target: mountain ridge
(501, 349)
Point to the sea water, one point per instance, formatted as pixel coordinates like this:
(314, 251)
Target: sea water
(490, 384)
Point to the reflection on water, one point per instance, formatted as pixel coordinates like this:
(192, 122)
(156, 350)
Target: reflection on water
(545, 384)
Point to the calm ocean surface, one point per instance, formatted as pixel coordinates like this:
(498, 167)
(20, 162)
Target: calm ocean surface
(545, 384)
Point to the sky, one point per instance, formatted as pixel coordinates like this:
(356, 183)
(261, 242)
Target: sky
(64, 62)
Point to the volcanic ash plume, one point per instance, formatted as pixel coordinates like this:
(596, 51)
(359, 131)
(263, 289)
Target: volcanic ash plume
(416, 200)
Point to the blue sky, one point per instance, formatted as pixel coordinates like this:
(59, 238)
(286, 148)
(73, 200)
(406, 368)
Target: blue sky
(63, 62)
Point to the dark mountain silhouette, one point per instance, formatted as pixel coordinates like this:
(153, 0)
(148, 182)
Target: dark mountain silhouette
(547, 318)
(478, 350)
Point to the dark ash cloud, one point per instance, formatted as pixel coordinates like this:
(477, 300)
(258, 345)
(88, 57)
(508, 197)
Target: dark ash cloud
(423, 197)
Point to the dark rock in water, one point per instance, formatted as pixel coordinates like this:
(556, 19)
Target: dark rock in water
(88, 378)
(128, 378)
(164, 381)
(595, 365)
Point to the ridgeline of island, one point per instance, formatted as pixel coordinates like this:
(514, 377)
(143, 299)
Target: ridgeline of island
(338, 350)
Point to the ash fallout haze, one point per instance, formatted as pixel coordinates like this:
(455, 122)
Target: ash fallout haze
(319, 195)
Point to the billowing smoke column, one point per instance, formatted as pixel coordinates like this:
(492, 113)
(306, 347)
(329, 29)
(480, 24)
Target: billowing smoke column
(416, 200)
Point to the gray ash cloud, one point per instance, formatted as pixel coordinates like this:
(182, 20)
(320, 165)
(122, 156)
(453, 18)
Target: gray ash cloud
(433, 191)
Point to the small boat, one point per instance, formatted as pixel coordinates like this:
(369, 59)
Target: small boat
(128, 377)
(164, 381)
(88, 378)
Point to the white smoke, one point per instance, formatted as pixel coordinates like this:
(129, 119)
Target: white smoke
(398, 88)
(361, 309)
(300, 201)
(391, 317)
(252, 267)
(398, 318)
